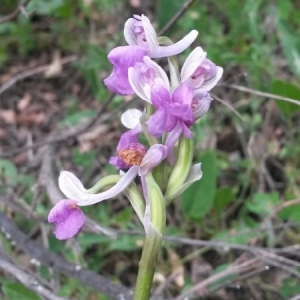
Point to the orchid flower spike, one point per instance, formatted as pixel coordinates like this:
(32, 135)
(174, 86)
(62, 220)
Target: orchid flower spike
(142, 40)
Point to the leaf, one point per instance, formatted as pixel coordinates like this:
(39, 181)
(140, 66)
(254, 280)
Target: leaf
(289, 287)
(291, 45)
(289, 90)
(125, 243)
(198, 199)
(17, 291)
(89, 239)
(223, 197)
(263, 203)
(166, 9)
(77, 118)
(8, 172)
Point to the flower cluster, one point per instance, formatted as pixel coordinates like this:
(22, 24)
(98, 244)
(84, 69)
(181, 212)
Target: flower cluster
(173, 104)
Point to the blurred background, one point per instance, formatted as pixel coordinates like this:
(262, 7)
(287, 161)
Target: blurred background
(55, 114)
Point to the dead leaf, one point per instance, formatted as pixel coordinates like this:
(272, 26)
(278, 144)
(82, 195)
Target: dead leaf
(177, 268)
(48, 96)
(3, 134)
(135, 3)
(33, 115)
(93, 134)
(21, 158)
(24, 102)
(55, 68)
(8, 116)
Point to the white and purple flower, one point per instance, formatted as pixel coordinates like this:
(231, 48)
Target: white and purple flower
(142, 40)
(66, 214)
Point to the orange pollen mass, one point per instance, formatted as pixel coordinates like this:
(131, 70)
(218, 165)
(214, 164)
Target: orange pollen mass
(132, 156)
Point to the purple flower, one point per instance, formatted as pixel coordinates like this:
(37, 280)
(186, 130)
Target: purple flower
(142, 40)
(68, 219)
(123, 58)
(66, 215)
(200, 73)
(171, 110)
(131, 120)
(145, 75)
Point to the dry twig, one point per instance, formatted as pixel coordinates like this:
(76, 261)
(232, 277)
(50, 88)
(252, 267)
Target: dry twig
(244, 267)
(28, 280)
(86, 277)
(177, 16)
(12, 15)
(33, 71)
(260, 94)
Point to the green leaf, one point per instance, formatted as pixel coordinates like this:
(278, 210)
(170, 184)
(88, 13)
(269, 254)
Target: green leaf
(8, 172)
(289, 39)
(263, 203)
(125, 243)
(89, 239)
(17, 291)
(85, 159)
(223, 197)
(166, 9)
(289, 90)
(77, 118)
(289, 287)
(198, 199)
(290, 213)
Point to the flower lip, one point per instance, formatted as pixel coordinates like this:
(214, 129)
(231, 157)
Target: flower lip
(67, 217)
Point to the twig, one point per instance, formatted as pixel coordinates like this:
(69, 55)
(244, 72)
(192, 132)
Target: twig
(31, 282)
(259, 93)
(231, 270)
(226, 246)
(86, 277)
(229, 106)
(15, 12)
(33, 71)
(241, 278)
(176, 17)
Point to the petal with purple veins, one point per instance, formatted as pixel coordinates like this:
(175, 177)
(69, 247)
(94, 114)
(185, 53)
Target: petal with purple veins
(192, 62)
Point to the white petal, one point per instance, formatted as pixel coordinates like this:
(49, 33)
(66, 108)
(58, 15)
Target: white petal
(129, 34)
(159, 71)
(208, 85)
(165, 51)
(131, 118)
(119, 187)
(139, 82)
(150, 34)
(72, 187)
(154, 156)
(192, 62)
(195, 174)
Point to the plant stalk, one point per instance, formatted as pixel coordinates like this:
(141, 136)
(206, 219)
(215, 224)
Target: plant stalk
(147, 266)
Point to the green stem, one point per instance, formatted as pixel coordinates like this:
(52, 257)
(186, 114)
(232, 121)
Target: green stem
(153, 238)
(147, 266)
